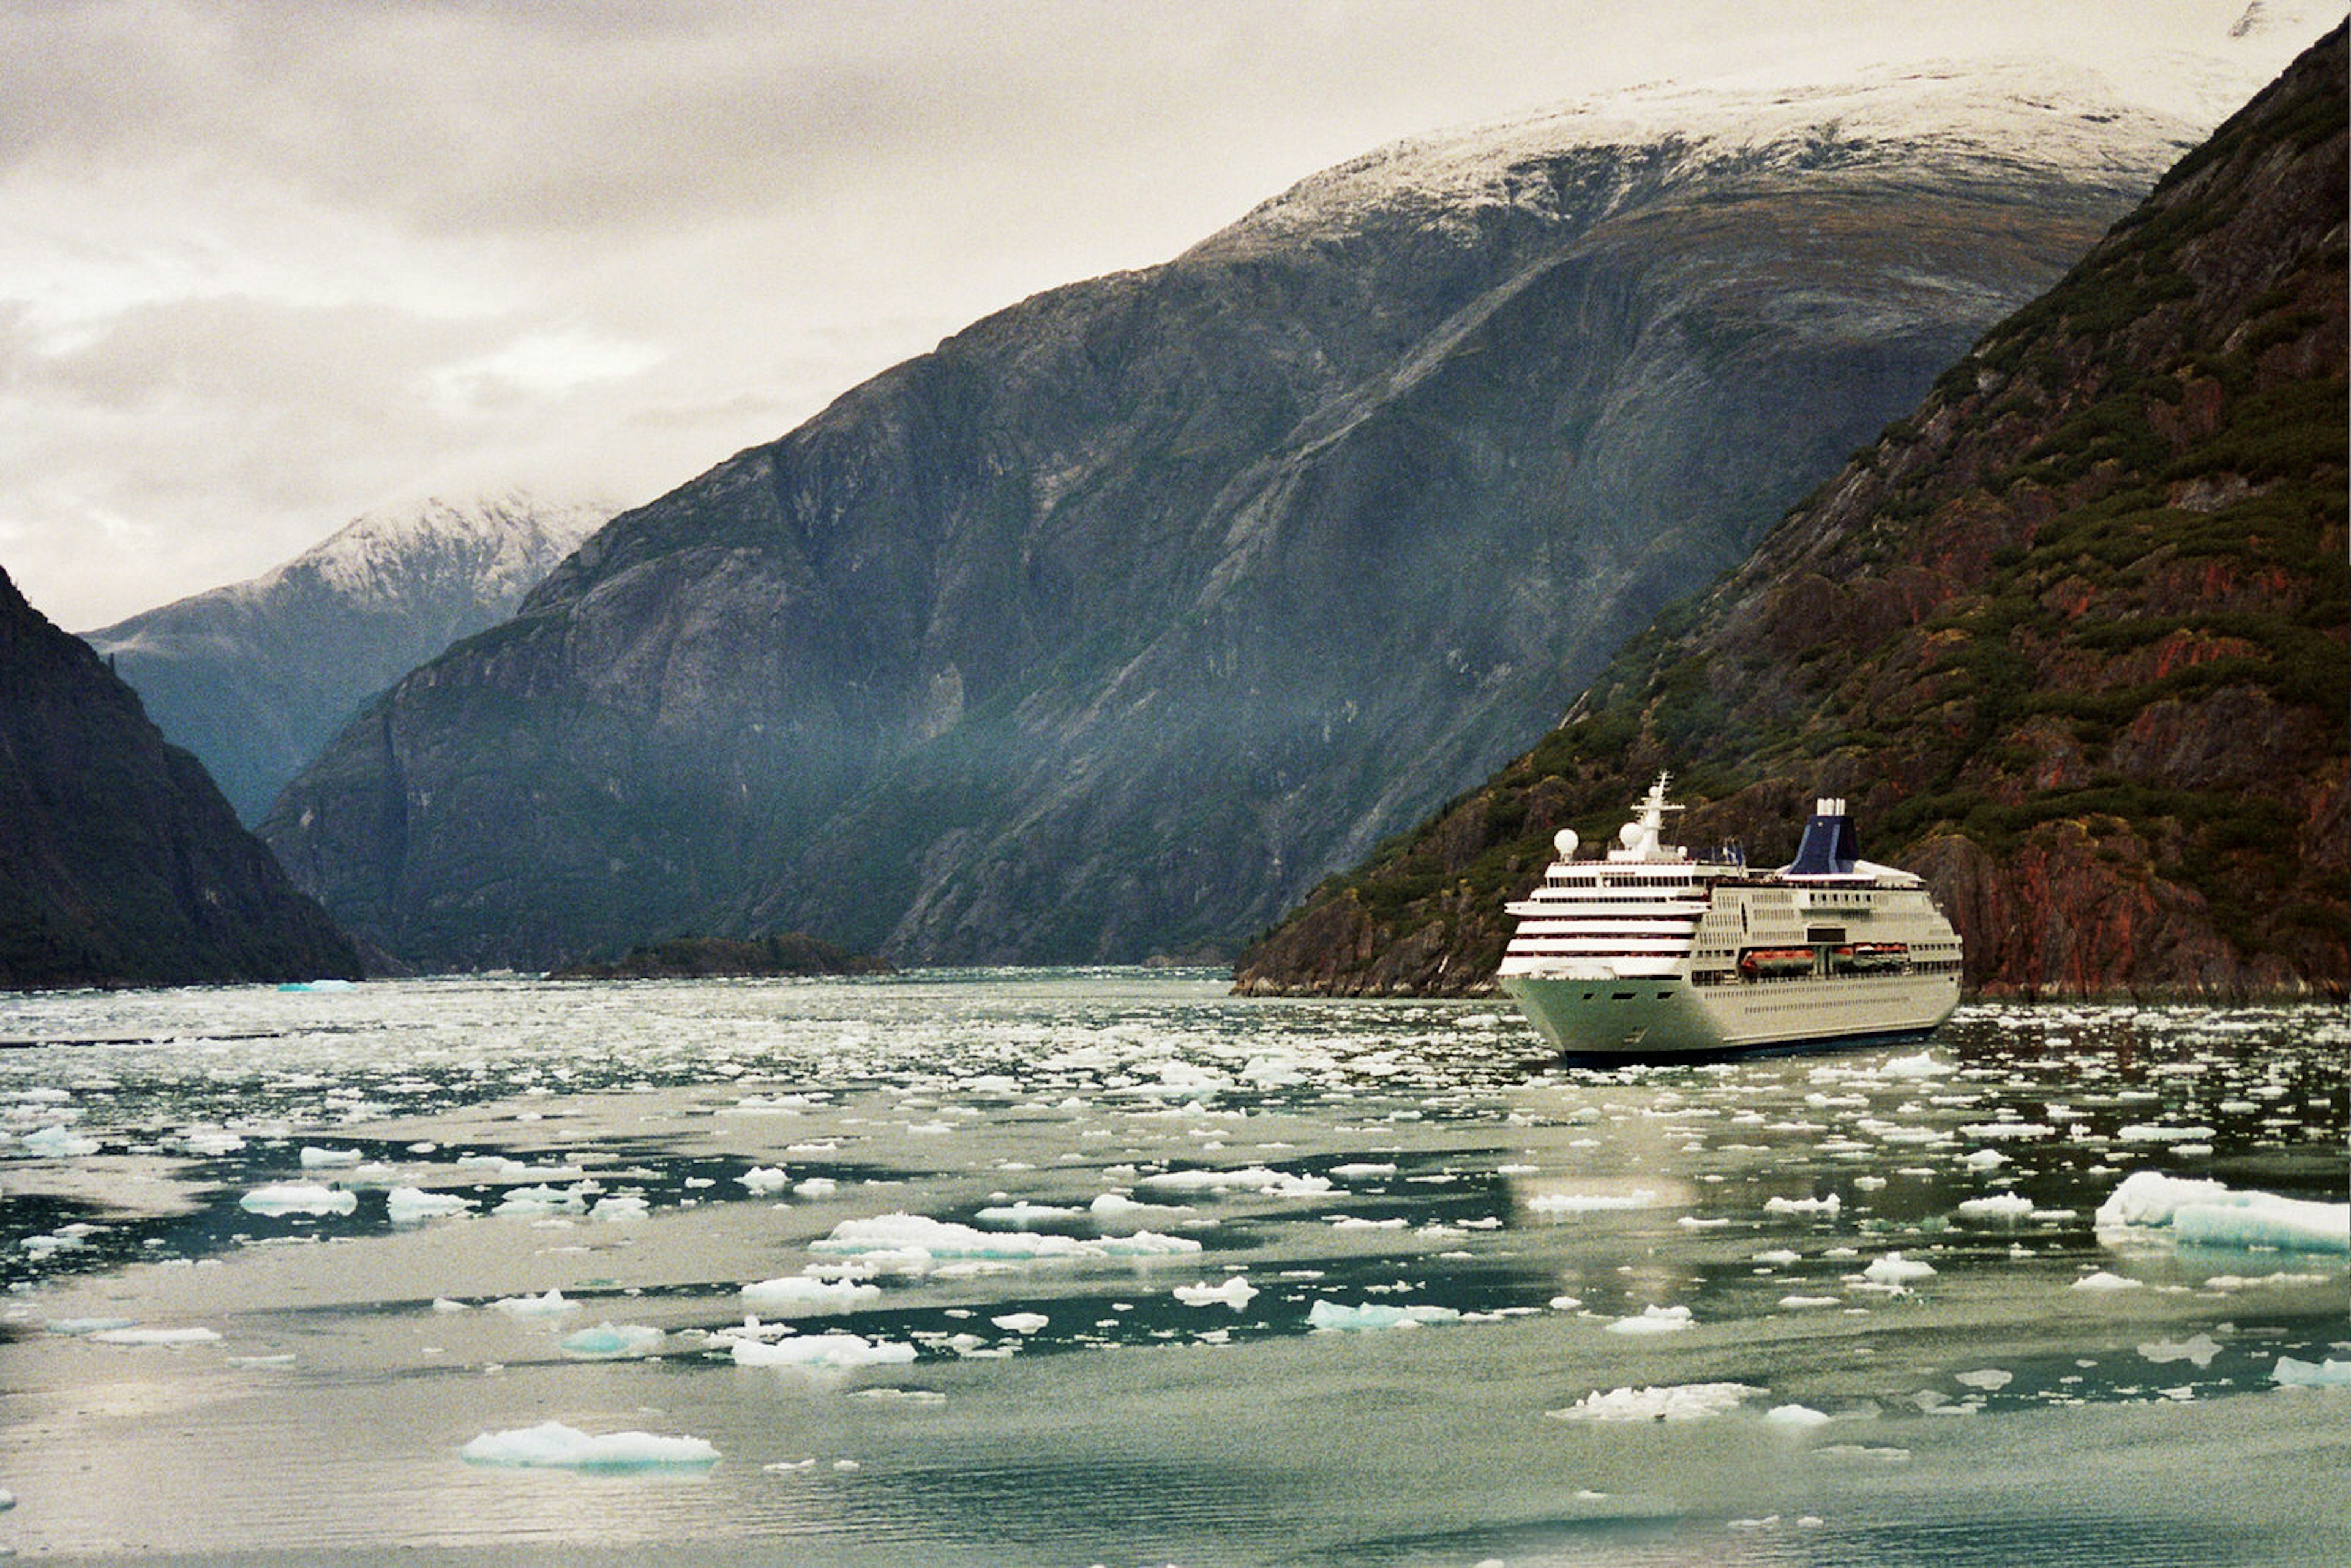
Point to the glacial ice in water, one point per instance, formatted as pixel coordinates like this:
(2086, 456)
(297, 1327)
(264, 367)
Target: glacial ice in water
(1260, 1198)
(551, 1444)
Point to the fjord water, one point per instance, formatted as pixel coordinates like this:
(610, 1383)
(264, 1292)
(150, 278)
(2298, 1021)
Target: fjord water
(1495, 1308)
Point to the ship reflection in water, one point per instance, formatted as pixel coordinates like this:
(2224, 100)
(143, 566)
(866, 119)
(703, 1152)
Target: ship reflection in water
(1111, 1266)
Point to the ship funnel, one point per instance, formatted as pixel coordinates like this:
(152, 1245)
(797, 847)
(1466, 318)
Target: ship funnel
(1830, 847)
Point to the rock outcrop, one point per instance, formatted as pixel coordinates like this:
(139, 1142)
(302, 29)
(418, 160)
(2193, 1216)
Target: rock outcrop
(257, 677)
(120, 864)
(2071, 636)
(1109, 627)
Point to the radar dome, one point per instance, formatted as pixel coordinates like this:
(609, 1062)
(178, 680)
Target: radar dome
(1565, 842)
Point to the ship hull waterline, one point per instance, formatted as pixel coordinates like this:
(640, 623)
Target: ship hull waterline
(1664, 1018)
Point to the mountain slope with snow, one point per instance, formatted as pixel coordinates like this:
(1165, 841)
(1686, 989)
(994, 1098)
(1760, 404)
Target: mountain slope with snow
(257, 676)
(1111, 625)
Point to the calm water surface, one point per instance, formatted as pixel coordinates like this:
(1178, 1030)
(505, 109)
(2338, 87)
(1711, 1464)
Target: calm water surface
(274, 1260)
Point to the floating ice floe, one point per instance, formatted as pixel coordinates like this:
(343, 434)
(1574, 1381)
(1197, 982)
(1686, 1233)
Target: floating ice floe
(552, 1445)
(1797, 1415)
(413, 1205)
(544, 1199)
(1828, 1206)
(1360, 1169)
(622, 1207)
(1653, 1320)
(550, 1305)
(764, 1179)
(1020, 1322)
(174, 1338)
(2282, 1280)
(314, 1158)
(1331, 1315)
(607, 1341)
(816, 1186)
(210, 1142)
(915, 1242)
(2190, 1210)
(2200, 1350)
(1922, 1065)
(1804, 1303)
(1025, 1213)
(1673, 1402)
(1895, 1269)
(1990, 1379)
(1260, 1179)
(2329, 1373)
(59, 1142)
(298, 1197)
(1999, 1206)
(819, 1351)
(803, 1292)
(1590, 1202)
(2103, 1280)
(2150, 1134)
(1235, 1292)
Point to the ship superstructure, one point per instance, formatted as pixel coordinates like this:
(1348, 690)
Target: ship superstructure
(1646, 953)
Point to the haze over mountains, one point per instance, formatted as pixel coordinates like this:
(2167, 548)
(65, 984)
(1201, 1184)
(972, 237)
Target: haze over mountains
(1116, 622)
(2072, 637)
(256, 677)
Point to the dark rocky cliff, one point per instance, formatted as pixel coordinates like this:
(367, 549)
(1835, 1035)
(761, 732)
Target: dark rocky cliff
(1113, 624)
(257, 677)
(2072, 636)
(119, 862)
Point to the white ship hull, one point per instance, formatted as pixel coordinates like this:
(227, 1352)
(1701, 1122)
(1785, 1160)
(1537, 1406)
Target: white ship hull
(1659, 1018)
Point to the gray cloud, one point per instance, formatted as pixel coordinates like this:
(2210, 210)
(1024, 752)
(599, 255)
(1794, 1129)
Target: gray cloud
(263, 266)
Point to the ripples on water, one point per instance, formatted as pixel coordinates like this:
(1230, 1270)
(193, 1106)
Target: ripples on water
(1564, 1239)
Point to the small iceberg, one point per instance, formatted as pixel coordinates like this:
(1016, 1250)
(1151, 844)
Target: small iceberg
(2194, 1211)
(1895, 1269)
(1235, 1292)
(298, 1197)
(1653, 1320)
(607, 1341)
(413, 1205)
(2327, 1374)
(915, 1242)
(804, 1292)
(820, 1351)
(552, 1445)
(1331, 1315)
(1673, 1402)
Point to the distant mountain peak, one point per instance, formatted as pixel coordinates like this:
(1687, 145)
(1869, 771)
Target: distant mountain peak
(511, 539)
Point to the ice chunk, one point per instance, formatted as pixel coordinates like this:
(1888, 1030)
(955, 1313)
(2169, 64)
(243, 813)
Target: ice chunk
(1331, 1315)
(2210, 1214)
(554, 1445)
(551, 1305)
(1254, 1178)
(914, 1241)
(1673, 1402)
(1895, 1269)
(172, 1337)
(1025, 1213)
(623, 1208)
(1829, 1204)
(1020, 1322)
(2150, 1134)
(1984, 1160)
(1590, 1202)
(1358, 1169)
(608, 1340)
(413, 1205)
(298, 1197)
(544, 1199)
(816, 1186)
(1801, 1304)
(1653, 1320)
(2327, 1374)
(315, 1158)
(1799, 1416)
(1235, 1292)
(1922, 1065)
(1990, 1379)
(58, 1142)
(211, 1142)
(802, 1292)
(821, 1350)
(1999, 1206)
(764, 1179)
(2102, 1281)
(2199, 1350)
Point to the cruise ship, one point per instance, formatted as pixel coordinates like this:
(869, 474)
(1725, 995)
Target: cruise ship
(1646, 954)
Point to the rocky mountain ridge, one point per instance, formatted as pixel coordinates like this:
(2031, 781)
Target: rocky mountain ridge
(2071, 637)
(257, 676)
(120, 864)
(1109, 627)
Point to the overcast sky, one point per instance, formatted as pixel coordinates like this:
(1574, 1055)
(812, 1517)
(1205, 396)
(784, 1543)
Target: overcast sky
(266, 265)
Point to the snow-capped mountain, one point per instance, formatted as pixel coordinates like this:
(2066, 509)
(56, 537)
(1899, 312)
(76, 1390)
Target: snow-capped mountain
(256, 677)
(1111, 626)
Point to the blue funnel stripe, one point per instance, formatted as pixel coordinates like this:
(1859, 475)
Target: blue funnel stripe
(1830, 847)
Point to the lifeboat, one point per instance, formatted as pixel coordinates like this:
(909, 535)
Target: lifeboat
(1870, 957)
(1775, 963)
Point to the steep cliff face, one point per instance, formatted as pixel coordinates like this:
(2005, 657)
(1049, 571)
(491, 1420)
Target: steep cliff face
(256, 678)
(2071, 637)
(1115, 623)
(119, 862)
